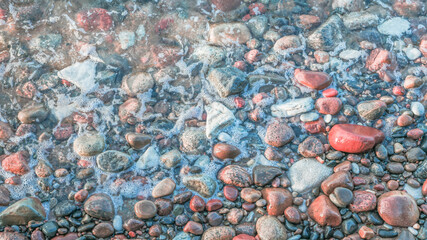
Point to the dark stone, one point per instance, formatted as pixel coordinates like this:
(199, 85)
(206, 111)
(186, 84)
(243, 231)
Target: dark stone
(387, 233)
(64, 208)
(263, 175)
(49, 228)
(349, 226)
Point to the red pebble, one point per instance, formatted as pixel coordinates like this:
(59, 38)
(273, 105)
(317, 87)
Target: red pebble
(246, 17)
(81, 195)
(16, 163)
(415, 133)
(252, 56)
(132, 234)
(398, 91)
(379, 187)
(94, 19)
(424, 188)
(330, 92)
(240, 65)
(259, 97)
(359, 181)
(257, 9)
(213, 205)
(15, 180)
(315, 126)
(3, 15)
(197, 204)
(243, 237)
(230, 193)
(63, 132)
(240, 102)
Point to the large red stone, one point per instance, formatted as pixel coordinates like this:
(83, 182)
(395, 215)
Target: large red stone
(278, 199)
(324, 212)
(313, 80)
(398, 209)
(380, 59)
(94, 19)
(353, 138)
(16, 163)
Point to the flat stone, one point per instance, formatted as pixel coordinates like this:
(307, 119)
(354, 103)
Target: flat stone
(287, 44)
(359, 20)
(81, 74)
(292, 107)
(352, 138)
(218, 117)
(163, 188)
(23, 211)
(227, 80)
(394, 26)
(113, 161)
(307, 174)
(313, 80)
(209, 54)
(372, 109)
(263, 175)
(35, 113)
(222, 233)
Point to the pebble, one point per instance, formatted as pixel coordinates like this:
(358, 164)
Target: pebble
(145, 209)
(292, 107)
(311, 147)
(89, 145)
(372, 109)
(202, 184)
(395, 26)
(418, 109)
(307, 174)
(223, 232)
(22, 212)
(363, 201)
(218, 117)
(352, 138)
(225, 151)
(398, 208)
(278, 134)
(103, 230)
(227, 81)
(113, 161)
(278, 199)
(235, 175)
(324, 212)
(269, 227)
(229, 33)
(99, 205)
(163, 188)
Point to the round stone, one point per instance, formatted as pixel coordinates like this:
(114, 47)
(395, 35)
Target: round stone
(269, 227)
(100, 205)
(398, 209)
(89, 145)
(278, 134)
(225, 151)
(163, 188)
(145, 209)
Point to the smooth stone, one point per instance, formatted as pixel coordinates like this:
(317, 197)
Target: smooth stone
(287, 44)
(398, 208)
(394, 26)
(341, 197)
(163, 188)
(171, 159)
(418, 109)
(263, 175)
(36, 113)
(328, 35)
(89, 145)
(363, 201)
(292, 107)
(313, 80)
(372, 109)
(278, 199)
(138, 140)
(145, 209)
(307, 174)
(309, 117)
(225, 151)
(100, 205)
(352, 138)
(338, 179)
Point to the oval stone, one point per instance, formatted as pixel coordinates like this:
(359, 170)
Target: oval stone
(353, 138)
